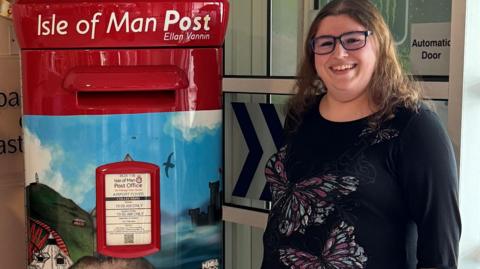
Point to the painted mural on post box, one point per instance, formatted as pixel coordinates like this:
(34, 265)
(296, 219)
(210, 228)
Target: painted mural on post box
(64, 153)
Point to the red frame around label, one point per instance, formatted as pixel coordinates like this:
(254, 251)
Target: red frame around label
(127, 167)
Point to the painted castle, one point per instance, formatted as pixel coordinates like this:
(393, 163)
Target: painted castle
(213, 214)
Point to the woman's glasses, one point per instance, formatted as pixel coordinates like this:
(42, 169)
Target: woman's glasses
(325, 44)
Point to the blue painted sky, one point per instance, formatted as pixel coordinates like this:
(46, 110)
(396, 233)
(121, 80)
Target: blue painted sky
(65, 150)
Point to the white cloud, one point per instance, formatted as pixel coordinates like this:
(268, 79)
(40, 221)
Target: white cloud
(85, 182)
(40, 162)
(39, 158)
(54, 180)
(193, 124)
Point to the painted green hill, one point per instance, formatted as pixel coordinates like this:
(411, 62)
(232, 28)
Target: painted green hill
(70, 221)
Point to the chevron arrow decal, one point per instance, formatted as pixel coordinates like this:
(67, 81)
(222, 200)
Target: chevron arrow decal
(276, 131)
(255, 150)
(273, 123)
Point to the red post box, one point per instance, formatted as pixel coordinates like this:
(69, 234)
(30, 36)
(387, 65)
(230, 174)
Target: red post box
(122, 131)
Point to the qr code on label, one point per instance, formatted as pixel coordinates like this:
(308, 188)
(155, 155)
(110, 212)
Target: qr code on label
(128, 238)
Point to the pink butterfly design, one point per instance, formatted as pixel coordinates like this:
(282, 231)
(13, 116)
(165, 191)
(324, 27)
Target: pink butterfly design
(305, 202)
(340, 252)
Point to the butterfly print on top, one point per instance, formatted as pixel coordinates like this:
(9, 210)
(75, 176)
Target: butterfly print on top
(339, 252)
(380, 135)
(306, 202)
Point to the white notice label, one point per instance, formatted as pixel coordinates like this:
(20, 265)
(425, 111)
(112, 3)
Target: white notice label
(128, 213)
(430, 49)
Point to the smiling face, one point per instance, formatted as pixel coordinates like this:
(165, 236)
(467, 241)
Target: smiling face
(345, 73)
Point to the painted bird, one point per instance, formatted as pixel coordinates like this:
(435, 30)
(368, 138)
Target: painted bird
(168, 164)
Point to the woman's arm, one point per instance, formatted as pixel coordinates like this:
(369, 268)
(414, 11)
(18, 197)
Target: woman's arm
(428, 174)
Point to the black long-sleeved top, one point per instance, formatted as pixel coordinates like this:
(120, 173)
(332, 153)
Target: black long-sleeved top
(344, 196)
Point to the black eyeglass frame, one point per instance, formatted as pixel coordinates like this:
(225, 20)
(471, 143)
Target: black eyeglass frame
(339, 38)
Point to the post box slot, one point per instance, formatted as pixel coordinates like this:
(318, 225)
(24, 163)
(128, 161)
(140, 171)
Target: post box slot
(125, 86)
(125, 99)
(125, 78)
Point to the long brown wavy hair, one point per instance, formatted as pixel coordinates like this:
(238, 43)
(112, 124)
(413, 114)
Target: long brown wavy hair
(390, 87)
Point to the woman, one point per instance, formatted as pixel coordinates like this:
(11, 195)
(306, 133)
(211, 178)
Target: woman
(367, 178)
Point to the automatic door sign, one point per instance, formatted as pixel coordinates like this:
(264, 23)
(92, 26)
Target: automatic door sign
(430, 49)
(128, 209)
